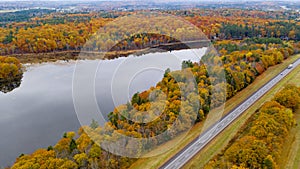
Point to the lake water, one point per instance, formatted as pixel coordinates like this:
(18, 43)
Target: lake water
(38, 112)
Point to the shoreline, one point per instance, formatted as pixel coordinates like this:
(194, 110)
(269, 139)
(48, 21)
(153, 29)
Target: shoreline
(79, 54)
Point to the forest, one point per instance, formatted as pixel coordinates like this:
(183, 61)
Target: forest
(259, 143)
(247, 43)
(62, 32)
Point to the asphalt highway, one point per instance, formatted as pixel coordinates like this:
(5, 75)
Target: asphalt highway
(181, 158)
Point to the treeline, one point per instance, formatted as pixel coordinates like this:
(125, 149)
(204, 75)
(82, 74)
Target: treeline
(60, 32)
(238, 13)
(24, 15)
(229, 46)
(238, 26)
(282, 30)
(160, 113)
(259, 143)
(75, 35)
(71, 153)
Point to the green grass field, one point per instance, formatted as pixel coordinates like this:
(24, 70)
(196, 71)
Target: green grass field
(221, 141)
(291, 153)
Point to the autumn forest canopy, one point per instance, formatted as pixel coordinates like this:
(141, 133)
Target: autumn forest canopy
(247, 43)
(260, 143)
(10, 67)
(50, 32)
(241, 68)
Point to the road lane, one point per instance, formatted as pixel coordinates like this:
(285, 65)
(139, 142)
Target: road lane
(199, 143)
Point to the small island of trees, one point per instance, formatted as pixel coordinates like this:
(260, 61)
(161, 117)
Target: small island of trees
(11, 73)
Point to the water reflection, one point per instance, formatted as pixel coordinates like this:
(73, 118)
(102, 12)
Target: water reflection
(35, 113)
(11, 84)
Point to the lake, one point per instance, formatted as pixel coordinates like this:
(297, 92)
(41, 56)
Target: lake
(38, 112)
